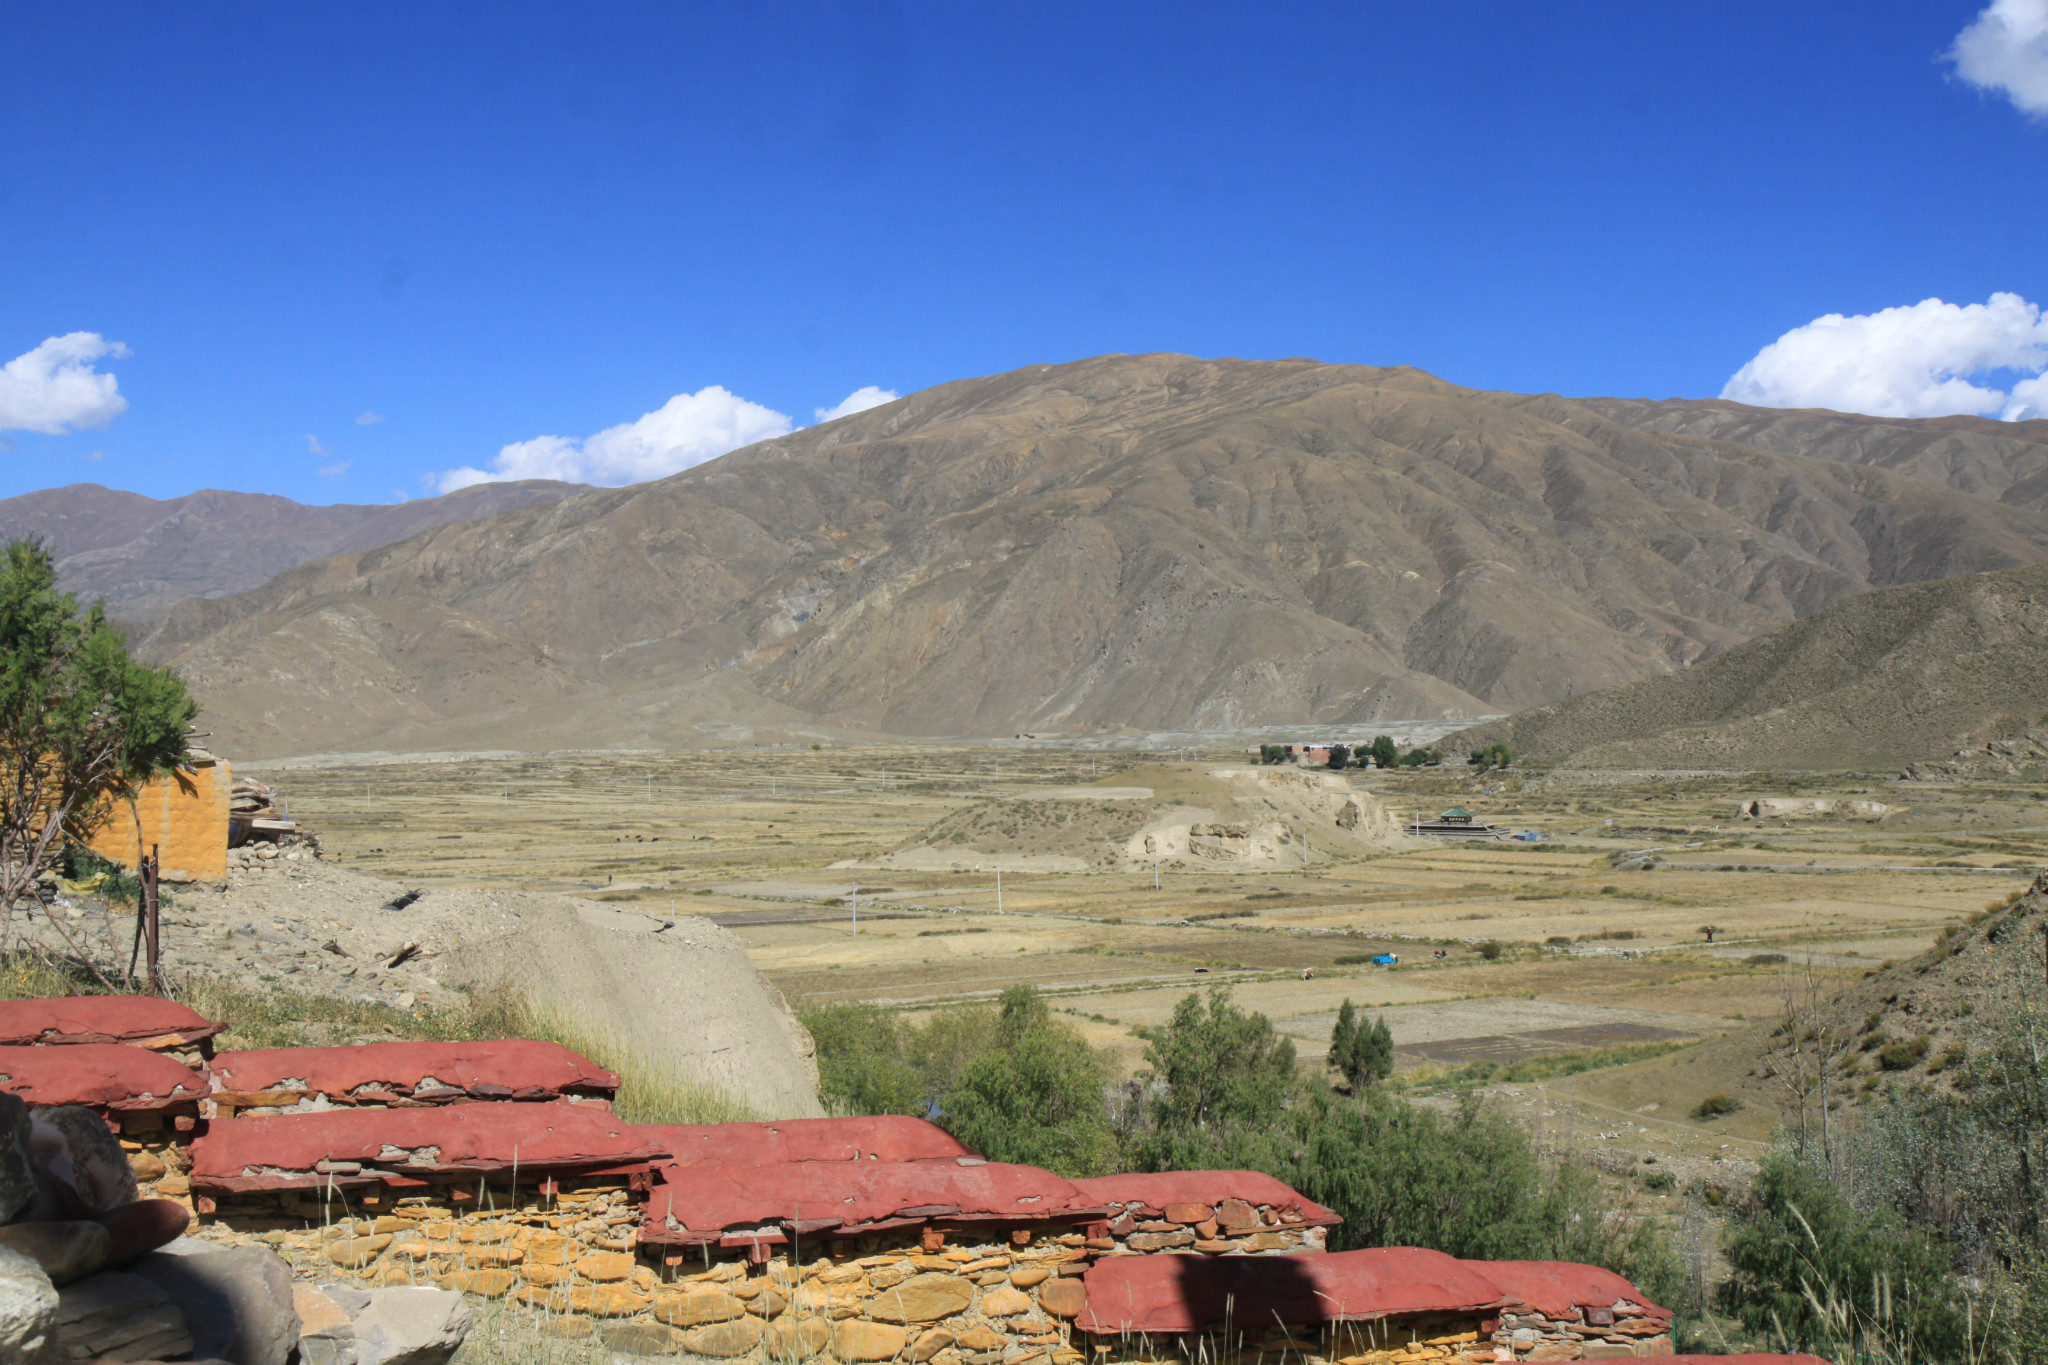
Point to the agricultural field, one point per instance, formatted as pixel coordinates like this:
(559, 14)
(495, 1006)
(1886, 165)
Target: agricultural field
(1576, 985)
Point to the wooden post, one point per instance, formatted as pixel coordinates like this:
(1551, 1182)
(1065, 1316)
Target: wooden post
(153, 933)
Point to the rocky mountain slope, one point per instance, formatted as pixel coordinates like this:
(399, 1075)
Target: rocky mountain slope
(1882, 680)
(145, 555)
(1129, 541)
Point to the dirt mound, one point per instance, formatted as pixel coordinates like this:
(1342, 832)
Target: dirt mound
(1183, 815)
(1882, 680)
(1148, 542)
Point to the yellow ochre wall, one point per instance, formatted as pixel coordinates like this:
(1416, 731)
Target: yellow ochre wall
(185, 814)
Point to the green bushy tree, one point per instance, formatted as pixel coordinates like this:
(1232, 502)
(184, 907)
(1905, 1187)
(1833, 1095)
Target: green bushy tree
(1361, 1051)
(1037, 1095)
(1385, 753)
(82, 724)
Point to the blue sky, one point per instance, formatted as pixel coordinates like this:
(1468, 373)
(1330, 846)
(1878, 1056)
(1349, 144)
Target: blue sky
(489, 224)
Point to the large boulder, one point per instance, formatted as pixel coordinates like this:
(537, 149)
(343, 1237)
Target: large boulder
(410, 1326)
(28, 1311)
(120, 1316)
(17, 1172)
(237, 1301)
(80, 1167)
(65, 1251)
(327, 1334)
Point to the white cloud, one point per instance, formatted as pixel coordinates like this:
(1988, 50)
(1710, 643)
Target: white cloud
(2005, 48)
(1915, 361)
(335, 471)
(55, 388)
(860, 400)
(687, 430)
(313, 444)
(368, 419)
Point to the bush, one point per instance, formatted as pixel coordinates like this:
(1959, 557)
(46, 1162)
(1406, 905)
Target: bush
(1903, 1055)
(1558, 941)
(1490, 950)
(1716, 1106)
(1812, 1273)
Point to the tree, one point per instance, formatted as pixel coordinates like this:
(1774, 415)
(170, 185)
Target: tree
(1384, 751)
(1340, 756)
(82, 725)
(1222, 1079)
(1037, 1096)
(1362, 1052)
(1491, 756)
(1812, 1271)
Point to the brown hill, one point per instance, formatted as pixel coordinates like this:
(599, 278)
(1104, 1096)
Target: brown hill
(1129, 541)
(1882, 680)
(144, 556)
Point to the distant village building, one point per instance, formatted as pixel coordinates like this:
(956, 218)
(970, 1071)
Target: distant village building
(1455, 823)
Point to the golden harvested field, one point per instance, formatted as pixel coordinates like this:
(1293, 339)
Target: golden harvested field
(1590, 956)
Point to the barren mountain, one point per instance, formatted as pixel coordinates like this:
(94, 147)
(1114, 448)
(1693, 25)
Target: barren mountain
(1880, 680)
(144, 555)
(1147, 541)
(2005, 461)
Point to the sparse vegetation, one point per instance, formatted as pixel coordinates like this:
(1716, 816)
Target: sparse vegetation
(1716, 1107)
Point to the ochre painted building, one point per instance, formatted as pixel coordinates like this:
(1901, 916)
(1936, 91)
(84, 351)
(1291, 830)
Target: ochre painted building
(185, 814)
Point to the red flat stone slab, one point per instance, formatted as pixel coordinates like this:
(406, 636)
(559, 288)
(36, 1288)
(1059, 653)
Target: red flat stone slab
(102, 1019)
(107, 1076)
(695, 1204)
(281, 1152)
(1557, 1288)
(1165, 1188)
(1193, 1293)
(517, 1067)
(892, 1137)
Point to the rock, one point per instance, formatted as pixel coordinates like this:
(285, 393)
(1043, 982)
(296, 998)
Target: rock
(327, 1336)
(1159, 1241)
(488, 1284)
(569, 1329)
(65, 1251)
(606, 1266)
(767, 1304)
(147, 1166)
(725, 1339)
(697, 1306)
(28, 1310)
(121, 1315)
(1235, 1217)
(854, 1340)
(143, 1226)
(930, 1344)
(357, 1252)
(922, 1298)
(602, 1300)
(642, 1338)
(791, 1339)
(552, 1248)
(17, 1173)
(412, 1326)
(237, 1301)
(1556, 1350)
(1005, 1303)
(1026, 1276)
(1064, 1298)
(80, 1167)
(980, 1338)
(1186, 1214)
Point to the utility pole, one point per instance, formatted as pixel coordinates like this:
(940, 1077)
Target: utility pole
(1155, 867)
(856, 911)
(999, 891)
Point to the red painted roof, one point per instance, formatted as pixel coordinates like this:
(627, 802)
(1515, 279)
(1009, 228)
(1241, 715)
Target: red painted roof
(1741, 1360)
(1156, 1191)
(891, 1137)
(699, 1203)
(1556, 1288)
(506, 1069)
(100, 1019)
(103, 1075)
(280, 1152)
(1189, 1293)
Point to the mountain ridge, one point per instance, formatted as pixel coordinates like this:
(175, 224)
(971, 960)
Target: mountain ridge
(1122, 542)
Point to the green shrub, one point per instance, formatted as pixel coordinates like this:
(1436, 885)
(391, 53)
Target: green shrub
(1903, 1055)
(1716, 1106)
(1490, 950)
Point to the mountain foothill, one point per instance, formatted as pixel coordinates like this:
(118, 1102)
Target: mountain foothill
(1127, 542)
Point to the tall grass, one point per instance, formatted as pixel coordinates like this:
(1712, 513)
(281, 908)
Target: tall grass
(264, 1017)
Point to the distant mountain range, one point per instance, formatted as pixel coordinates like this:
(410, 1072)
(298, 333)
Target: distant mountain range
(1881, 680)
(1130, 541)
(144, 556)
